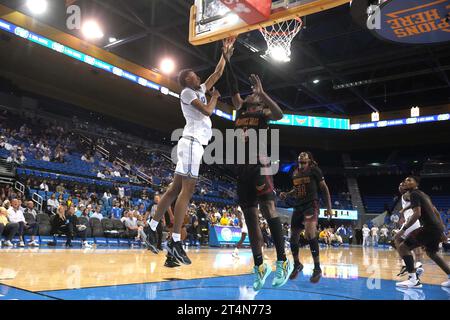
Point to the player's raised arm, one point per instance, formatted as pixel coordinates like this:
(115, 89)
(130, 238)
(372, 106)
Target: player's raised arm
(233, 84)
(227, 52)
(274, 112)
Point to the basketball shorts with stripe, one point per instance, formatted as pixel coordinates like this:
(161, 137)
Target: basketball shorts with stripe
(189, 154)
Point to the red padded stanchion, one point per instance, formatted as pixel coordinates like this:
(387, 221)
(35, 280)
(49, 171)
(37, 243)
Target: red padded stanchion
(251, 11)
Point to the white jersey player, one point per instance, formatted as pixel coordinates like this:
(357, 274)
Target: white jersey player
(244, 232)
(196, 134)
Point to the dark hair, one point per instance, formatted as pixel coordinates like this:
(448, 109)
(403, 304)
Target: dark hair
(415, 178)
(311, 157)
(182, 77)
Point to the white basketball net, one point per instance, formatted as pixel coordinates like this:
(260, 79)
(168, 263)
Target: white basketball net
(279, 38)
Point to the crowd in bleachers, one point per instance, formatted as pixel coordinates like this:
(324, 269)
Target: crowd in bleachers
(102, 194)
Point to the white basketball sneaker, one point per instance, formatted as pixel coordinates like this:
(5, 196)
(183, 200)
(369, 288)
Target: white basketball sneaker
(419, 269)
(235, 254)
(410, 283)
(446, 284)
(8, 244)
(87, 245)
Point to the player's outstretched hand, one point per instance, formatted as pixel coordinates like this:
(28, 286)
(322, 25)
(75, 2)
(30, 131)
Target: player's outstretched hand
(283, 195)
(228, 47)
(256, 84)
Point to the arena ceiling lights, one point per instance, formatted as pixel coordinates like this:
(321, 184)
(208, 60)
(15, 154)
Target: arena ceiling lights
(288, 120)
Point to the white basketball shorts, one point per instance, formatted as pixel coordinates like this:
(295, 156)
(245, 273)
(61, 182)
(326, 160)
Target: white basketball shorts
(190, 154)
(411, 229)
(244, 228)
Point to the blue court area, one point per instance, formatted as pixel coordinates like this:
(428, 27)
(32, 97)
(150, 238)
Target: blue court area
(345, 287)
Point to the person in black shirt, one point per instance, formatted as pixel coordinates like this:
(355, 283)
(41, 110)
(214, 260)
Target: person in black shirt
(307, 180)
(255, 183)
(429, 235)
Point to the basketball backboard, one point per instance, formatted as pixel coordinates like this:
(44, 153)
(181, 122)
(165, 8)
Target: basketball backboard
(214, 20)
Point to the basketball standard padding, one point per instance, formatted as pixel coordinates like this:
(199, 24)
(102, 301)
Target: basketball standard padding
(251, 11)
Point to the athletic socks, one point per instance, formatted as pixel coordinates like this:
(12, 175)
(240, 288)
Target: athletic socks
(154, 224)
(409, 263)
(176, 237)
(258, 260)
(314, 247)
(277, 236)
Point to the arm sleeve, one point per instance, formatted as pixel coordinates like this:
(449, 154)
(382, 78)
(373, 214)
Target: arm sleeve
(187, 96)
(415, 200)
(232, 81)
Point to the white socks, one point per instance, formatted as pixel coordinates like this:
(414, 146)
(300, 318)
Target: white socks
(154, 224)
(176, 237)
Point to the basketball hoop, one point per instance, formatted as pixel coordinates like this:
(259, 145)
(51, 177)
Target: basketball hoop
(279, 38)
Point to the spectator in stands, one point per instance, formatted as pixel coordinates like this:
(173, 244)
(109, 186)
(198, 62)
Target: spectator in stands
(61, 200)
(334, 237)
(121, 192)
(66, 222)
(60, 189)
(86, 213)
(21, 157)
(212, 219)
(374, 233)
(97, 213)
(79, 210)
(101, 175)
(87, 158)
(6, 204)
(12, 157)
(44, 186)
(141, 223)
(30, 209)
(59, 154)
(107, 196)
(141, 209)
(324, 237)
(46, 157)
(15, 215)
(366, 235)
(234, 221)
(116, 211)
(7, 228)
(130, 222)
(224, 221)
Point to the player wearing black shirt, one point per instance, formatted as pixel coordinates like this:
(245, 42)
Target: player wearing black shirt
(255, 183)
(429, 235)
(307, 180)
